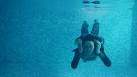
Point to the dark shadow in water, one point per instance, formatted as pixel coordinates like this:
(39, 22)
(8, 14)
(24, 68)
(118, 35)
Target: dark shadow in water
(133, 56)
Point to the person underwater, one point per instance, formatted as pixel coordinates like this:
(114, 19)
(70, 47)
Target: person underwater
(89, 46)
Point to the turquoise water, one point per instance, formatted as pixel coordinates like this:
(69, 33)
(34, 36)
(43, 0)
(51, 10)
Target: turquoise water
(37, 38)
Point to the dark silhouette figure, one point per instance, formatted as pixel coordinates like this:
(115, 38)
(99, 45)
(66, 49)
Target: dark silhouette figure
(90, 46)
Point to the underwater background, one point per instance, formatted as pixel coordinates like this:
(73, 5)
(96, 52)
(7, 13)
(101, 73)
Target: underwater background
(37, 37)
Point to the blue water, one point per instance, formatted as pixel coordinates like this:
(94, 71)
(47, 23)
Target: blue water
(37, 37)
